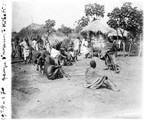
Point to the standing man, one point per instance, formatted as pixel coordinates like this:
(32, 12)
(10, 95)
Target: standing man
(76, 46)
(34, 42)
(25, 48)
(47, 45)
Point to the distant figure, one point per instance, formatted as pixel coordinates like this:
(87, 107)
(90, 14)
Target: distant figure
(39, 43)
(72, 56)
(13, 46)
(64, 57)
(84, 47)
(80, 43)
(94, 80)
(88, 46)
(25, 48)
(41, 60)
(48, 46)
(20, 50)
(76, 46)
(34, 42)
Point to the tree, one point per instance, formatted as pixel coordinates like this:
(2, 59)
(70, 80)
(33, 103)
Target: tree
(77, 29)
(49, 26)
(65, 30)
(126, 18)
(83, 21)
(94, 10)
(116, 21)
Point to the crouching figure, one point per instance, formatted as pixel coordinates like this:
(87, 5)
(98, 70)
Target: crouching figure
(52, 70)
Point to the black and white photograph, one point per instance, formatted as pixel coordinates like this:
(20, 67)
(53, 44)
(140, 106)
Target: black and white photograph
(76, 59)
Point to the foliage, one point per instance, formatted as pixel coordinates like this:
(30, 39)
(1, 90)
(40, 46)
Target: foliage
(77, 29)
(126, 18)
(65, 30)
(83, 21)
(94, 10)
(48, 26)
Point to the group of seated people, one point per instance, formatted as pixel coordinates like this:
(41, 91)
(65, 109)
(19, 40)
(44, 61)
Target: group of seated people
(53, 70)
(50, 66)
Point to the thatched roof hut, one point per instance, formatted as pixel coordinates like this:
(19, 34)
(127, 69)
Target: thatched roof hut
(32, 30)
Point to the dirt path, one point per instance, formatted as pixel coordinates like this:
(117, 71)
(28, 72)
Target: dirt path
(63, 98)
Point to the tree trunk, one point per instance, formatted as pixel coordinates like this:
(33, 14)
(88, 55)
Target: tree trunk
(140, 49)
(117, 41)
(129, 48)
(122, 33)
(123, 48)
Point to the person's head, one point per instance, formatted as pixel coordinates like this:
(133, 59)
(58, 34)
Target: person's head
(93, 64)
(78, 37)
(26, 39)
(110, 39)
(34, 39)
(44, 48)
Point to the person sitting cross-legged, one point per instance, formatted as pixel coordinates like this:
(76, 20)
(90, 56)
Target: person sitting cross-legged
(94, 80)
(52, 70)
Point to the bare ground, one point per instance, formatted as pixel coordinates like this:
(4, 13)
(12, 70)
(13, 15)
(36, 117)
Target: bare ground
(34, 96)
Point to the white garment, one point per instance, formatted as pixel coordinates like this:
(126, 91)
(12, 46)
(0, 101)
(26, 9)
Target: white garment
(84, 47)
(25, 49)
(71, 53)
(48, 47)
(54, 53)
(37, 48)
(76, 44)
(34, 44)
(26, 53)
(24, 44)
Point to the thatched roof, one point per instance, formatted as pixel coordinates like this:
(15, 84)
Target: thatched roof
(32, 30)
(97, 26)
(54, 40)
(74, 35)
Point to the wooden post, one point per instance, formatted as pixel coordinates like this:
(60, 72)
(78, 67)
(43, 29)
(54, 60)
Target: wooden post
(116, 42)
(123, 48)
(130, 47)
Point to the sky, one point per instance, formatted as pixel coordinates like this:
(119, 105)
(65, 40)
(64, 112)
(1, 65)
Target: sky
(25, 12)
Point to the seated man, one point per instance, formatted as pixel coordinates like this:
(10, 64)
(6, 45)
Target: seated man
(52, 70)
(94, 80)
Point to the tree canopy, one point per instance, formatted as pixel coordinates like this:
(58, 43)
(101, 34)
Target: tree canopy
(66, 30)
(94, 10)
(126, 18)
(49, 26)
(83, 21)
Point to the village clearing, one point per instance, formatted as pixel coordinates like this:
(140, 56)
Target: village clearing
(34, 96)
